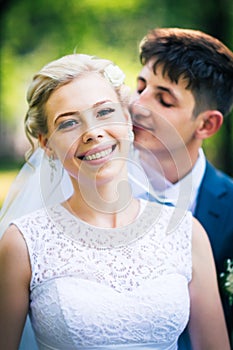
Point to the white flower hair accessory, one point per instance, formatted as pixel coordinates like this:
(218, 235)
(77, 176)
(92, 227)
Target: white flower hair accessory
(114, 74)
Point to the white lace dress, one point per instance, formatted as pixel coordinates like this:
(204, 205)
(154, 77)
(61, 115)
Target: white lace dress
(93, 288)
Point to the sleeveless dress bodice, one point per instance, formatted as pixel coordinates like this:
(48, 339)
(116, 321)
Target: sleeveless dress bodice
(95, 288)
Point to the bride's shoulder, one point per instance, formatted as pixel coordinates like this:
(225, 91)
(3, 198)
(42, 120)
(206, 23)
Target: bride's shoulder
(14, 260)
(12, 243)
(201, 248)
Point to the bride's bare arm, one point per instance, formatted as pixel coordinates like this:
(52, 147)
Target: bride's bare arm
(207, 326)
(15, 275)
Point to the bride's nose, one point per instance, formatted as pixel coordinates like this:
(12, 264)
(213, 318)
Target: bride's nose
(92, 135)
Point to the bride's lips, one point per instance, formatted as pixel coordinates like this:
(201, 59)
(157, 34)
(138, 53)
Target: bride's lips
(97, 153)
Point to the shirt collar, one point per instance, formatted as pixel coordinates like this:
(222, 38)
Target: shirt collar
(182, 194)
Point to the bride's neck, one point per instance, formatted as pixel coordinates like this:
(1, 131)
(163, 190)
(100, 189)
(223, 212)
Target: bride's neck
(108, 205)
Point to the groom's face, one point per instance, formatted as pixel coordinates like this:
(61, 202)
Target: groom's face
(162, 112)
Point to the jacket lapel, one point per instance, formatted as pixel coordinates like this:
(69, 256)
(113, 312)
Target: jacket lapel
(211, 204)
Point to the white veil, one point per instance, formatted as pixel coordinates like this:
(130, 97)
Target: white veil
(34, 188)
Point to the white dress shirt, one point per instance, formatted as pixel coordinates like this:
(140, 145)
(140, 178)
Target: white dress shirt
(147, 181)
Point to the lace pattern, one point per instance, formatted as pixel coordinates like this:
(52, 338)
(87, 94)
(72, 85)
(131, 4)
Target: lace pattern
(105, 287)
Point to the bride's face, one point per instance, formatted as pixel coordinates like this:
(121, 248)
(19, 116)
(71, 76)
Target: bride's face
(88, 129)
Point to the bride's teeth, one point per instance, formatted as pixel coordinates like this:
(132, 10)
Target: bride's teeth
(98, 155)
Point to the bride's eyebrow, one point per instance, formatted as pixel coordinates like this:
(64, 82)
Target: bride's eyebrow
(77, 113)
(66, 114)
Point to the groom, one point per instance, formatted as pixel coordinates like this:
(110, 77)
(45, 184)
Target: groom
(184, 92)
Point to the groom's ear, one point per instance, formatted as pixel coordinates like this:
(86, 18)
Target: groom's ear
(210, 123)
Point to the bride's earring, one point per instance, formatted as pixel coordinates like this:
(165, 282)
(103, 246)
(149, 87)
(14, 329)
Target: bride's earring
(53, 167)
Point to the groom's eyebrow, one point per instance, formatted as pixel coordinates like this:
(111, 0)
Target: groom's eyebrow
(159, 87)
(169, 91)
(141, 79)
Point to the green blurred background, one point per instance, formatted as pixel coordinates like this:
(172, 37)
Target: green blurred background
(36, 32)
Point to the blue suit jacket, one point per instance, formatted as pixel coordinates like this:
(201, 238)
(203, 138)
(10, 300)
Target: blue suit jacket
(214, 210)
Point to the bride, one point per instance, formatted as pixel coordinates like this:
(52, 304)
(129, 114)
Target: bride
(101, 270)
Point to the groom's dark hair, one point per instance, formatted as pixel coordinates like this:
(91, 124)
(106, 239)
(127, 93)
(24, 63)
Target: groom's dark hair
(202, 60)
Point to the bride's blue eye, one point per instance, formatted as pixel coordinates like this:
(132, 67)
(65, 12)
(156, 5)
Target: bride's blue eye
(67, 124)
(105, 112)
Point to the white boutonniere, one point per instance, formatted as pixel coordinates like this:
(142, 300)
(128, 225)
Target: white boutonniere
(226, 279)
(114, 74)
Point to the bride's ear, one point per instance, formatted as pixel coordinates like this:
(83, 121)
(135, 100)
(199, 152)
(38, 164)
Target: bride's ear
(44, 143)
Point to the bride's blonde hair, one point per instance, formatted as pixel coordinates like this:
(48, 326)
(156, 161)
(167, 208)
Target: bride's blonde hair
(58, 73)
